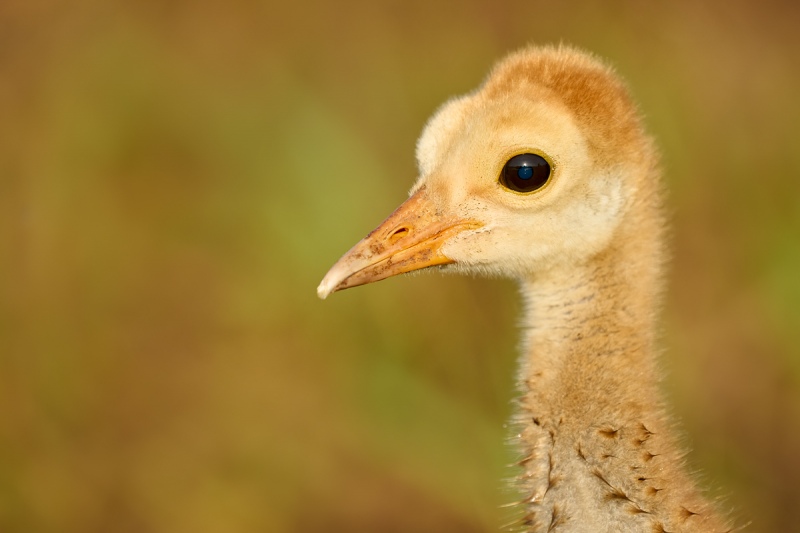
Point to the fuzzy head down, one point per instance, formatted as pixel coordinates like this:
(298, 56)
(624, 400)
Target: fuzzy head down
(568, 107)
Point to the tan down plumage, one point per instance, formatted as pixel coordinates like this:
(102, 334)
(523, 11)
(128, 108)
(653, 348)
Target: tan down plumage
(598, 449)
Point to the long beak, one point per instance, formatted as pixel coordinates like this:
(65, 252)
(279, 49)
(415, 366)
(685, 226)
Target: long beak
(410, 239)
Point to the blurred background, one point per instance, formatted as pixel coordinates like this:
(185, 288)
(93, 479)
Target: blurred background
(177, 177)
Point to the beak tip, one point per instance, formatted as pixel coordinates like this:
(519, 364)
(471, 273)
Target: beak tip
(323, 290)
(329, 283)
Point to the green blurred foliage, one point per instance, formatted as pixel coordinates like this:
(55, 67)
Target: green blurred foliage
(176, 177)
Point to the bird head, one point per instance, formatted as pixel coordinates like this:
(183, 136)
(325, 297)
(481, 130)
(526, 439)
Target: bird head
(533, 171)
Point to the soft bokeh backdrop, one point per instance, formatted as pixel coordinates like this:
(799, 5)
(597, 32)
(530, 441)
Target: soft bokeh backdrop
(176, 177)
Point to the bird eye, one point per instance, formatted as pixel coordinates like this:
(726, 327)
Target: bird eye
(525, 173)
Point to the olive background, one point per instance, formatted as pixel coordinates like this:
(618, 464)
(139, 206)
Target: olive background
(177, 176)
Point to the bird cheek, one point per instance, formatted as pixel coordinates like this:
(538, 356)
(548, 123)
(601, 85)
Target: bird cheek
(473, 247)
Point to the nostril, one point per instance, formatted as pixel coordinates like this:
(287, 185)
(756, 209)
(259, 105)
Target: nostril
(399, 233)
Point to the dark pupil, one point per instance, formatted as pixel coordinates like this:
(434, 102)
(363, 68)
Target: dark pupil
(525, 173)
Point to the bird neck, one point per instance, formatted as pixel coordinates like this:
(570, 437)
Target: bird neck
(597, 445)
(589, 341)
